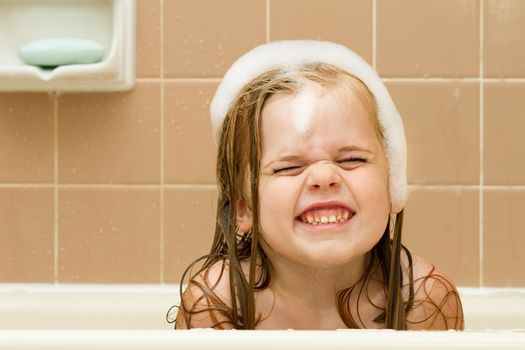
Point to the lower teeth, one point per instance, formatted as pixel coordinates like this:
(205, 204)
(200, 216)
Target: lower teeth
(326, 223)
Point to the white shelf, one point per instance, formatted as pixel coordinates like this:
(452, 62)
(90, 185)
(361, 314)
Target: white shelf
(111, 23)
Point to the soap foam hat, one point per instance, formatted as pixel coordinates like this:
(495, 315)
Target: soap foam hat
(295, 52)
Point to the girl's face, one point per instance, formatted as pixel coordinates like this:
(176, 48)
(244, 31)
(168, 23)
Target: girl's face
(323, 192)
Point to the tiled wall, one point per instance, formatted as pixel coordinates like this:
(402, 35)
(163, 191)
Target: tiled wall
(119, 187)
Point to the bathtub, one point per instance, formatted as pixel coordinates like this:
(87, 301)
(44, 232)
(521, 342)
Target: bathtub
(133, 317)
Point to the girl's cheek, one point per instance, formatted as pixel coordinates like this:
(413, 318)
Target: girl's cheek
(373, 186)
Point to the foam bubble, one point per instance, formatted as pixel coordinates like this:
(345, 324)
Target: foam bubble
(304, 106)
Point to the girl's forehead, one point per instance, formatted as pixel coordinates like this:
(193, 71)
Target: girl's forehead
(313, 116)
(312, 100)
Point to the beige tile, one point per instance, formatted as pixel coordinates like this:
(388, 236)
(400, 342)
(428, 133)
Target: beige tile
(342, 21)
(148, 38)
(504, 143)
(26, 235)
(442, 131)
(428, 38)
(202, 38)
(190, 150)
(26, 137)
(442, 225)
(504, 47)
(110, 137)
(189, 224)
(503, 238)
(109, 236)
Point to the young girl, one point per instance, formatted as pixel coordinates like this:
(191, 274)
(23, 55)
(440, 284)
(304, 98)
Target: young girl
(311, 173)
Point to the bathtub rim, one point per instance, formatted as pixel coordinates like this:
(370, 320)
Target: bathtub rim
(143, 307)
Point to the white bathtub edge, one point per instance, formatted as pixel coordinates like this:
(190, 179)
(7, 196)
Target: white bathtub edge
(144, 307)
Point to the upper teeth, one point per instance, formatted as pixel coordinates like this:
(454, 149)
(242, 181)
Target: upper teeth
(325, 216)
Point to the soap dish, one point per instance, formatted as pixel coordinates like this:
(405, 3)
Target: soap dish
(107, 23)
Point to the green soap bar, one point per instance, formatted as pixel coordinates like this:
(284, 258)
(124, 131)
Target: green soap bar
(55, 52)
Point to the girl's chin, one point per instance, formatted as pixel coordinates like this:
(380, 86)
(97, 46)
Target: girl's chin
(336, 251)
(328, 258)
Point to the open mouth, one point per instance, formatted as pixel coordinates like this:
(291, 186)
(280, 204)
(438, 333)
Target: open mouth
(326, 216)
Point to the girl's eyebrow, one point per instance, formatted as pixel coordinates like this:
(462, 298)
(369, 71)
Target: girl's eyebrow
(353, 148)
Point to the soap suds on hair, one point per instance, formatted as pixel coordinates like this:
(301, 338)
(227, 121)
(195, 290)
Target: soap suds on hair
(304, 106)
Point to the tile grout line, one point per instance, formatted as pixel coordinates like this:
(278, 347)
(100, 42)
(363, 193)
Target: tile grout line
(55, 188)
(109, 186)
(481, 141)
(441, 187)
(430, 80)
(385, 79)
(267, 21)
(214, 186)
(374, 29)
(183, 79)
(161, 198)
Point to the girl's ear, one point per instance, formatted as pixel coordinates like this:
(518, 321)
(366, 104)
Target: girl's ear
(244, 216)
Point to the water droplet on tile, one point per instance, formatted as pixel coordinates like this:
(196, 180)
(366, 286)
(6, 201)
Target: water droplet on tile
(457, 94)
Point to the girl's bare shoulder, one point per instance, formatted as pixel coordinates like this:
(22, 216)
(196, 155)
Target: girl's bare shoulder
(436, 304)
(206, 301)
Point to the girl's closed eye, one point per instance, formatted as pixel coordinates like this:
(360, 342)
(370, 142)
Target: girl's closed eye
(288, 170)
(352, 162)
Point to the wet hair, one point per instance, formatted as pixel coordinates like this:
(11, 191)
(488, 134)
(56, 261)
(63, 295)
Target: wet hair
(238, 165)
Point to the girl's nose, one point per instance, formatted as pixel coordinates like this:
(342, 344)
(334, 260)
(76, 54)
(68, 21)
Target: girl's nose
(323, 176)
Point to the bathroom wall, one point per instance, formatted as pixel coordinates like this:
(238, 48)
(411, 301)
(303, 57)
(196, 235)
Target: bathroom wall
(119, 187)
